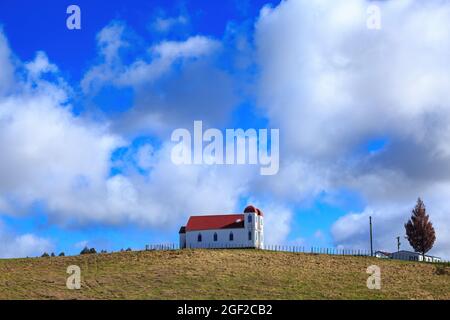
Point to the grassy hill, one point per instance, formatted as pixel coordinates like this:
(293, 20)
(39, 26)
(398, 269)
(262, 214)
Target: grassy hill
(220, 274)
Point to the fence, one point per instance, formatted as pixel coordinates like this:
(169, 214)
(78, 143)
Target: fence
(173, 246)
(318, 250)
(298, 249)
(282, 248)
(164, 246)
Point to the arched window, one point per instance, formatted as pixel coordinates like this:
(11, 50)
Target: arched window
(250, 236)
(249, 219)
(199, 237)
(231, 236)
(215, 236)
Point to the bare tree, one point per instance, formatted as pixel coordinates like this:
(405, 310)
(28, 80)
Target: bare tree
(419, 230)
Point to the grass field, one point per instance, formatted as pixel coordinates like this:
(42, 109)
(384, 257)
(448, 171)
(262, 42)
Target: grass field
(220, 274)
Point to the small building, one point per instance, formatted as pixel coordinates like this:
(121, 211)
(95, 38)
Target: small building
(413, 256)
(383, 254)
(244, 230)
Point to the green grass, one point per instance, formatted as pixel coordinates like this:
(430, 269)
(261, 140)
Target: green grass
(220, 274)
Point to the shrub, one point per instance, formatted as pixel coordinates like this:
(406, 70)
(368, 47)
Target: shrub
(62, 254)
(85, 251)
(45, 254)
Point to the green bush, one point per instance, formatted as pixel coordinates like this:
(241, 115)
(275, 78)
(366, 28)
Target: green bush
(86, 250)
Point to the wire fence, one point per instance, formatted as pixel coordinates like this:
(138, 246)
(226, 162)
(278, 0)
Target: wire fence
(407, 256)
(164, 246)
(173, 246)
(318, 250)
(281, 248)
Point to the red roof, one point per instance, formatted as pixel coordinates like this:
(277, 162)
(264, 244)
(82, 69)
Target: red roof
(225, 221)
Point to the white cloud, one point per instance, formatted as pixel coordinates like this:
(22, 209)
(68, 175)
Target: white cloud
(196, 46)
(331, 85)
(110, 40)
(154, 64)
(40, 65)
(63, 161)
(277, 221)
(6, 65)
(331, 79)
(170, 193)
(47, 153)
(25, 245)
(164, 25)
(163, 55)
(170, 82)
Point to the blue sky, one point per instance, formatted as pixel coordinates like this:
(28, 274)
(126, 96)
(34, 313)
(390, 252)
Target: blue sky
(36, 25)
(87, 152)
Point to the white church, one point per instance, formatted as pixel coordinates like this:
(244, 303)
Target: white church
(224, 231)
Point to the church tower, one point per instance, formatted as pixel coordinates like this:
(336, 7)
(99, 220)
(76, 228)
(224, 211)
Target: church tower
(254, 226)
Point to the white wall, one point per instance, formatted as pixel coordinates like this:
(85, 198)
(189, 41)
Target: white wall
(257, 228)
(260, 230)
(411, 256)
(240, 239)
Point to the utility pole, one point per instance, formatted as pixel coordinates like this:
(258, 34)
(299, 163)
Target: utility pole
(398, 243)
(371, 239)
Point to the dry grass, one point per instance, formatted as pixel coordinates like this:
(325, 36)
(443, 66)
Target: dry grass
(220, 274)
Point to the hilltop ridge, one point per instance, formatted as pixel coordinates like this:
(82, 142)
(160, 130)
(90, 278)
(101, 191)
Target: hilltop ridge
(220, 274)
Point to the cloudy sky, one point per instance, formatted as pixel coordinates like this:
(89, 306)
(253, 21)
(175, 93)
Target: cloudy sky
(86, 118)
